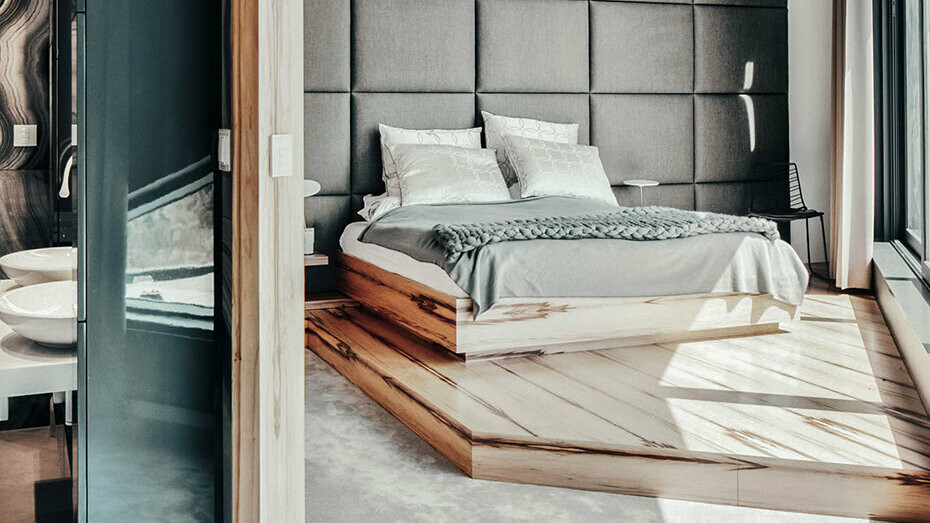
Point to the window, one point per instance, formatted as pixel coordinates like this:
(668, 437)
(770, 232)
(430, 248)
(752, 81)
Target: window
(913, 127)
(903, 99)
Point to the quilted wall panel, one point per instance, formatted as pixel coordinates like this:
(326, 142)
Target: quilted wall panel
(689, 93)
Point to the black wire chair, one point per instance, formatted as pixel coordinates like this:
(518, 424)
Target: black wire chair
(777, 196)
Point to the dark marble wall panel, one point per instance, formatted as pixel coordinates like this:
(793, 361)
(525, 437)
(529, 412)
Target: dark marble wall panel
(25, 216)
(24, 80)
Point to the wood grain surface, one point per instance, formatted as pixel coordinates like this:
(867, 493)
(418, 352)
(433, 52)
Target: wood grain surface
(521, 326)
(821, 418)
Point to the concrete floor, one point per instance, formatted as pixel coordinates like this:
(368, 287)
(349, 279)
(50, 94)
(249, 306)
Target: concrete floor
(363, 465)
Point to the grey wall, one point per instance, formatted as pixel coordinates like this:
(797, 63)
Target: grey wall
(689, 95)
(810, 39)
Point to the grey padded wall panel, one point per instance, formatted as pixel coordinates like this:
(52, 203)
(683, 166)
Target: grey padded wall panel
(326, 131)
(740, 50)
(328, 215)
(357, 204)
(326, 45)
(734, 132)
(625, 59)
(727, 198)
(533, 46)
(561, 108)
(414, 45)
(644, 136)
(659, 85)
(407, 110)
(750, 3)
(651, 1)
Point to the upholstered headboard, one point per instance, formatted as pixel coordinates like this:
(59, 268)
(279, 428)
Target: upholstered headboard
(689, 95)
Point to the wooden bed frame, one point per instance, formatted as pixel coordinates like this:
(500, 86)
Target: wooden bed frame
(523, 326)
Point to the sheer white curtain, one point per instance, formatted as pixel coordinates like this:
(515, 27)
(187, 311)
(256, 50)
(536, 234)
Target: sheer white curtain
(852, 195)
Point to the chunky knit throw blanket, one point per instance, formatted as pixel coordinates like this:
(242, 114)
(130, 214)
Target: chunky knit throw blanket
(628, 223)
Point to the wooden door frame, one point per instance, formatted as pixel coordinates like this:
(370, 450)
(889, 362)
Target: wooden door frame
(267, 383)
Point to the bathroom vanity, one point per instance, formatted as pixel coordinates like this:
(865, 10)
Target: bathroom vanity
(28, 368)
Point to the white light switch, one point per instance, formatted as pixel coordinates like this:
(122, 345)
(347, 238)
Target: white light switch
(25, 136)
(282, 155)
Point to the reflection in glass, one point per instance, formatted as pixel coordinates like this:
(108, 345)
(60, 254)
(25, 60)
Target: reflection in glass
(170, 250)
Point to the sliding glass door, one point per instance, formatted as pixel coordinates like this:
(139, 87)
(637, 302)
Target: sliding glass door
(149, 105)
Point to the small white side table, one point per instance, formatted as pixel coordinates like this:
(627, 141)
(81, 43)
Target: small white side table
(641, 184)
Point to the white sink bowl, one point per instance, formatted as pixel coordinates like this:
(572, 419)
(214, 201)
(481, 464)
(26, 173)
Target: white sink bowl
(41, 265)
(46, 313)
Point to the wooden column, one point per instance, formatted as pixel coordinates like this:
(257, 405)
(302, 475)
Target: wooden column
(268, 286)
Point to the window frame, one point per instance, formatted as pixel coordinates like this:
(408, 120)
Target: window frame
(891, 132)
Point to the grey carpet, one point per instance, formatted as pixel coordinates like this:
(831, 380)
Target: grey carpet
(365, 466)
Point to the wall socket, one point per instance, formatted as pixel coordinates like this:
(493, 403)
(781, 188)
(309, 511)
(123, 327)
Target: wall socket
(25, 135)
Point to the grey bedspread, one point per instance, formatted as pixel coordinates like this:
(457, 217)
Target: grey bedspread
(589, 267)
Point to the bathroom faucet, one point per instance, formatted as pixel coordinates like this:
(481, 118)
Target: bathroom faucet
(65, 190)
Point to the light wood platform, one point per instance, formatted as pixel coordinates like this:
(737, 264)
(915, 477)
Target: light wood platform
(821, 419)
(552, 325)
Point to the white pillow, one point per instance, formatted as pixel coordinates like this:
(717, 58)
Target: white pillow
(395, 136)
(448, 174)
(558, 169)
(374, 207)
(496, 127)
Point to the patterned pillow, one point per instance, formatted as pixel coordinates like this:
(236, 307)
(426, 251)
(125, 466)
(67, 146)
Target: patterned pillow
(496, 127)
(558, 169)
(447, 174)
(470, 138)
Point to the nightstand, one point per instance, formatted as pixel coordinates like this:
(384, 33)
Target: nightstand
(315, 260)
(324, 300)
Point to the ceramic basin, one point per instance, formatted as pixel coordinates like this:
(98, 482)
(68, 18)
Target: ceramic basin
(46, 313)
(41, 265)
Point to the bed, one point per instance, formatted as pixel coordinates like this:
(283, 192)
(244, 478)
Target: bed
(561, 296)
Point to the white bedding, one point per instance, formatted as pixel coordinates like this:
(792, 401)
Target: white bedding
(397, 262)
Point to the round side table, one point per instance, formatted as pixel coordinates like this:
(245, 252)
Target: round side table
(641, 184)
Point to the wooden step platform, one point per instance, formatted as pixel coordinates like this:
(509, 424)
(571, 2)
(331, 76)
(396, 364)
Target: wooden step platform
(821, 419)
